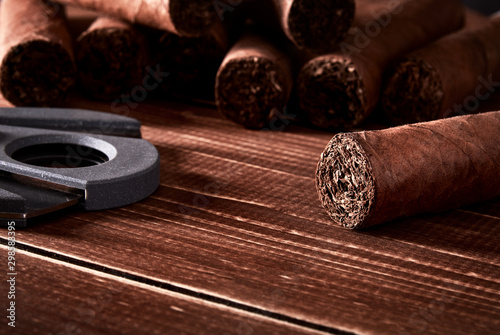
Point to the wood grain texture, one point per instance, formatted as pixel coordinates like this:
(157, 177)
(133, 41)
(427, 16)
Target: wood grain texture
(237, 217)
(53, 297)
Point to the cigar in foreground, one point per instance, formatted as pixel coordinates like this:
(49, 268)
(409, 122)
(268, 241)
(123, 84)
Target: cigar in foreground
(186, 18)
(37, 64)
(315, 25)
(110, 57)
(253, 82)
(192, 62)
(341, 89)
(370, 177)
(446, 78)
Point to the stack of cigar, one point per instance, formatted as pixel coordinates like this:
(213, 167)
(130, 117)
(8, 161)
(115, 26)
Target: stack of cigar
(337, 59)
(180, 43)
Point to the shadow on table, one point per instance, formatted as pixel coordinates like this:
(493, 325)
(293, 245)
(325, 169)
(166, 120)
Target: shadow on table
(470, 231)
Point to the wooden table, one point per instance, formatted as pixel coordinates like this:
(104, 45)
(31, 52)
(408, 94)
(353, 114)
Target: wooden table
(235, 241)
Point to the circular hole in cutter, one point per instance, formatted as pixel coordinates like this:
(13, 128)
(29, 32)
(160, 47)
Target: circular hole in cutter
(60, 155)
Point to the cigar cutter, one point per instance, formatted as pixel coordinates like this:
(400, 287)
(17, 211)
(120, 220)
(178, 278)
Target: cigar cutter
(53, 158)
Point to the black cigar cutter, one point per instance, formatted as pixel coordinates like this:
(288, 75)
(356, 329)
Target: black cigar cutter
(53, 158)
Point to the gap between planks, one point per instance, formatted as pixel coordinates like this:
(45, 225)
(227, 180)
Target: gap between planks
(160, 287)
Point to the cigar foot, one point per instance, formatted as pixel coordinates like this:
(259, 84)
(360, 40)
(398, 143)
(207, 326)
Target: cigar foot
(414, 94)
(249, 89)
(344, 181)
(331, 91)
(108, 61)
(193, 17)
(320, 25)
(36, 73)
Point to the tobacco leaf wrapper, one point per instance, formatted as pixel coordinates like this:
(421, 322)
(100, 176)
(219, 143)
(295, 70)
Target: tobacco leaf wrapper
(366, 178)
(111, 57)
(254, 80)
(37, 64)
(446, 78)
(182, 17)
(339, 90)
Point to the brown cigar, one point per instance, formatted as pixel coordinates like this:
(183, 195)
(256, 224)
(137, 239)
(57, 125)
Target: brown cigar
(315, 25)
(110, 57)
(192, 62)
(35, 50)
(366, 178)
(254, 81)
(449, 77)
(182, 17)
(341, 89)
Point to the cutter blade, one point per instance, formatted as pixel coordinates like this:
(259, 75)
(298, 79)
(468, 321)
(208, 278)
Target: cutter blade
(24, 198)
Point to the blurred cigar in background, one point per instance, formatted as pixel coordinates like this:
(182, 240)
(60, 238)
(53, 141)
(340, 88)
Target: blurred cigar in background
(341, 89)
(447, 78)
(181, 17)
(254, 81)
(315, 25)
(191, 62)
(37, 66)
(110, 56)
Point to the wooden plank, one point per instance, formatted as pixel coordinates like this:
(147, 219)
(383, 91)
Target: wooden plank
(237, 217)
(53, 297)
(490, 208)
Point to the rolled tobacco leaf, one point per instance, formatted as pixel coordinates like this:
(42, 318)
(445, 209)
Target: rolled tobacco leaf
(366, 178)
(315, 25)
(111, 57)
(449, 77)
(182, 17)
(192, 62)
(253, 82)
(36, 66)
(339, 90)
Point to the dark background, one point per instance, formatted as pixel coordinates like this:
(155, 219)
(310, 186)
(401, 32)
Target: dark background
(484, 6)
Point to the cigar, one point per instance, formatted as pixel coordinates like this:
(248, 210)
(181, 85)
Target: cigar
(253, 82)
(111, 57)
(341, 89)
(315, 25)
(192, 62)
(36, 66)
(370, 177)
(181, 17)
(449, 77)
